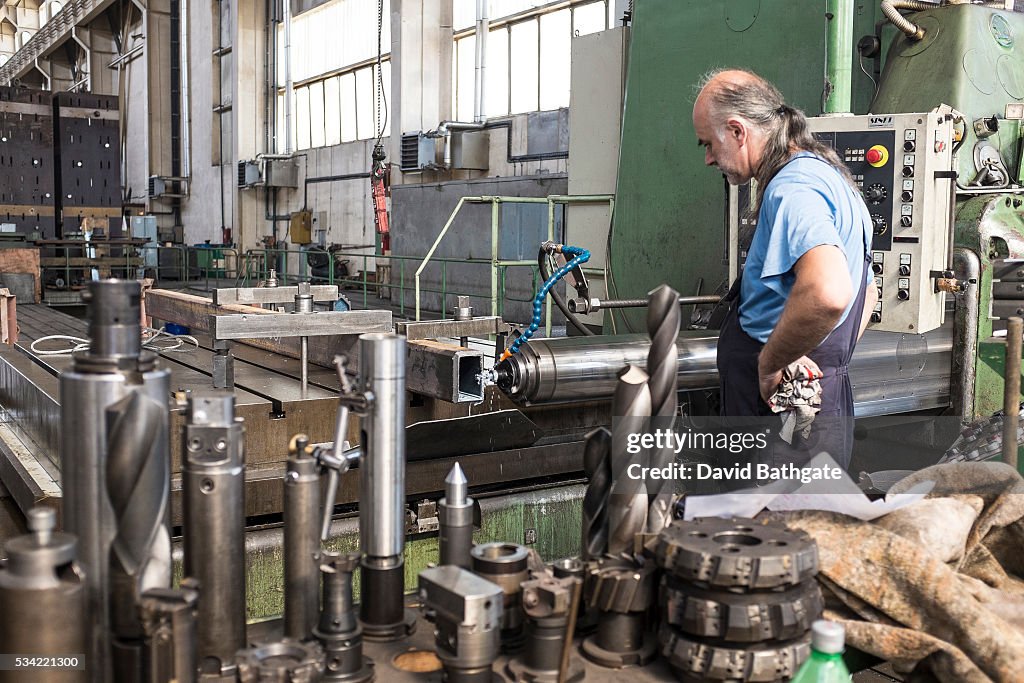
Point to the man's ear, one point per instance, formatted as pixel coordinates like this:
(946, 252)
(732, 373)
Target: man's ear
(736, 130)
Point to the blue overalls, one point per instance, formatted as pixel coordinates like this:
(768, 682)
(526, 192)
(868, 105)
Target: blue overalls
(832, 429)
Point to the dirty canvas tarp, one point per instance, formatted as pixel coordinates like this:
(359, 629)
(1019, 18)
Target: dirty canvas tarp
(960, 621)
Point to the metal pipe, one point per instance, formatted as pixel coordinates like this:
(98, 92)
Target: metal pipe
(186, 142)
(839, 56)
(890, 8)
(289, 86)
(967, 266)
(480, 81)
(301, 541)
(213, 489)
(578, 305)
(1011, 390)
(382, 486)
(100, 383)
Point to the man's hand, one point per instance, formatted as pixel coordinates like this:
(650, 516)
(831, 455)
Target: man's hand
(769, 380)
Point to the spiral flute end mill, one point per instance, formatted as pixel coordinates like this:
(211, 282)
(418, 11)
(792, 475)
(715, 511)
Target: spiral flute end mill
(595, 501)
(627, 507)
(662, 367)
(455, 518)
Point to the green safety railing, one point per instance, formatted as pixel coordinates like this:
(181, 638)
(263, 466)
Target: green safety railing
(257, 264)
(497, 264)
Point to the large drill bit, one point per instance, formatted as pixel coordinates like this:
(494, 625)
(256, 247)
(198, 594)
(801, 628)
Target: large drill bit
(627, 508)
(662, 367)
(595, 501)
(138, 482)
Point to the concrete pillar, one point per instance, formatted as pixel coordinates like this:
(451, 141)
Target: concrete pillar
(421, 70)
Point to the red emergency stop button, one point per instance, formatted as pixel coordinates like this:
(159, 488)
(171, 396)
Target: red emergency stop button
(877, 156)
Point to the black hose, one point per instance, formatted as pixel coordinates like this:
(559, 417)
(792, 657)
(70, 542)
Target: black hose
(570, 317)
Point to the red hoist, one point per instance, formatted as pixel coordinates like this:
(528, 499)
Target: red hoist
(380, 181)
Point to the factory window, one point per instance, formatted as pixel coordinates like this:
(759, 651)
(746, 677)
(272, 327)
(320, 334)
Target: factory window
(528, 53)
(335, 77)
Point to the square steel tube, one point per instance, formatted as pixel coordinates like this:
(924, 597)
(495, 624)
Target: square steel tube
(445, 371)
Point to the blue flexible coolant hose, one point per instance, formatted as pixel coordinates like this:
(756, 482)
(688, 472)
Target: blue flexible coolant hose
(580, 256)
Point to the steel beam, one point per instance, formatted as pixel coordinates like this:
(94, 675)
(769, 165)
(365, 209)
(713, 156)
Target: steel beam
(317, 324)
(256, 296)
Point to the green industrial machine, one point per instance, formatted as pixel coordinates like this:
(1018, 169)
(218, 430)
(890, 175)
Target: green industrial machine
(972, 58)
(967, 56)
(670, 217)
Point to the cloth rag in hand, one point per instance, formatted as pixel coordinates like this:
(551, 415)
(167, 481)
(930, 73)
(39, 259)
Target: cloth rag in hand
(798, 399)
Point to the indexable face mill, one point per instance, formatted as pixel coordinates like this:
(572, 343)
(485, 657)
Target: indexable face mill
(468, 613)
(116, 474)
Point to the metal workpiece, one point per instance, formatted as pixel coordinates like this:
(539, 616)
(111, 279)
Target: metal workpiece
(169, 621)
(468, 612)
(747, 617)
(597, 468)
(549, 603)
(338, 630)
(257, 296)
(479, 326)
(507, 565)
(115, 469)
(662, 365)
(623, 593)
(891, 372)
(627, 502)
(283, 661)
(571, 369)
(382, 487)
(315, 324)
(455, 520)
(737, 553)
(694, 660)
(213, 492)
(446, 371)
(43, 596)
(301, 541)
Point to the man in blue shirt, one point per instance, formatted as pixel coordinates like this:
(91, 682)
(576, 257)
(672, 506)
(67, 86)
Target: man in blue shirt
(804, 296)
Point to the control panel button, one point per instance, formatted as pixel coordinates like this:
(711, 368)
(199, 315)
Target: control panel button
(877, 156)
(906, 221)
(904, 270)
(908, 171)
(906, 196)
(879, 224)
(903, 294)
(876, 268)
(909, 146)
(876, 317)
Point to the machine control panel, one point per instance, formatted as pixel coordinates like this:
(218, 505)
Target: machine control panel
(901, 162)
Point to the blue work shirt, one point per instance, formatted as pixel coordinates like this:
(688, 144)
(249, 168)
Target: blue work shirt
(807, 204)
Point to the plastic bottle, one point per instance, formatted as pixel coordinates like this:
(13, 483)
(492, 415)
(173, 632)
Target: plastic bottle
(825, 665)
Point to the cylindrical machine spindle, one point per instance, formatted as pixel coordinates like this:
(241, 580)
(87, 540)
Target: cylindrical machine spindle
(382, 488)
